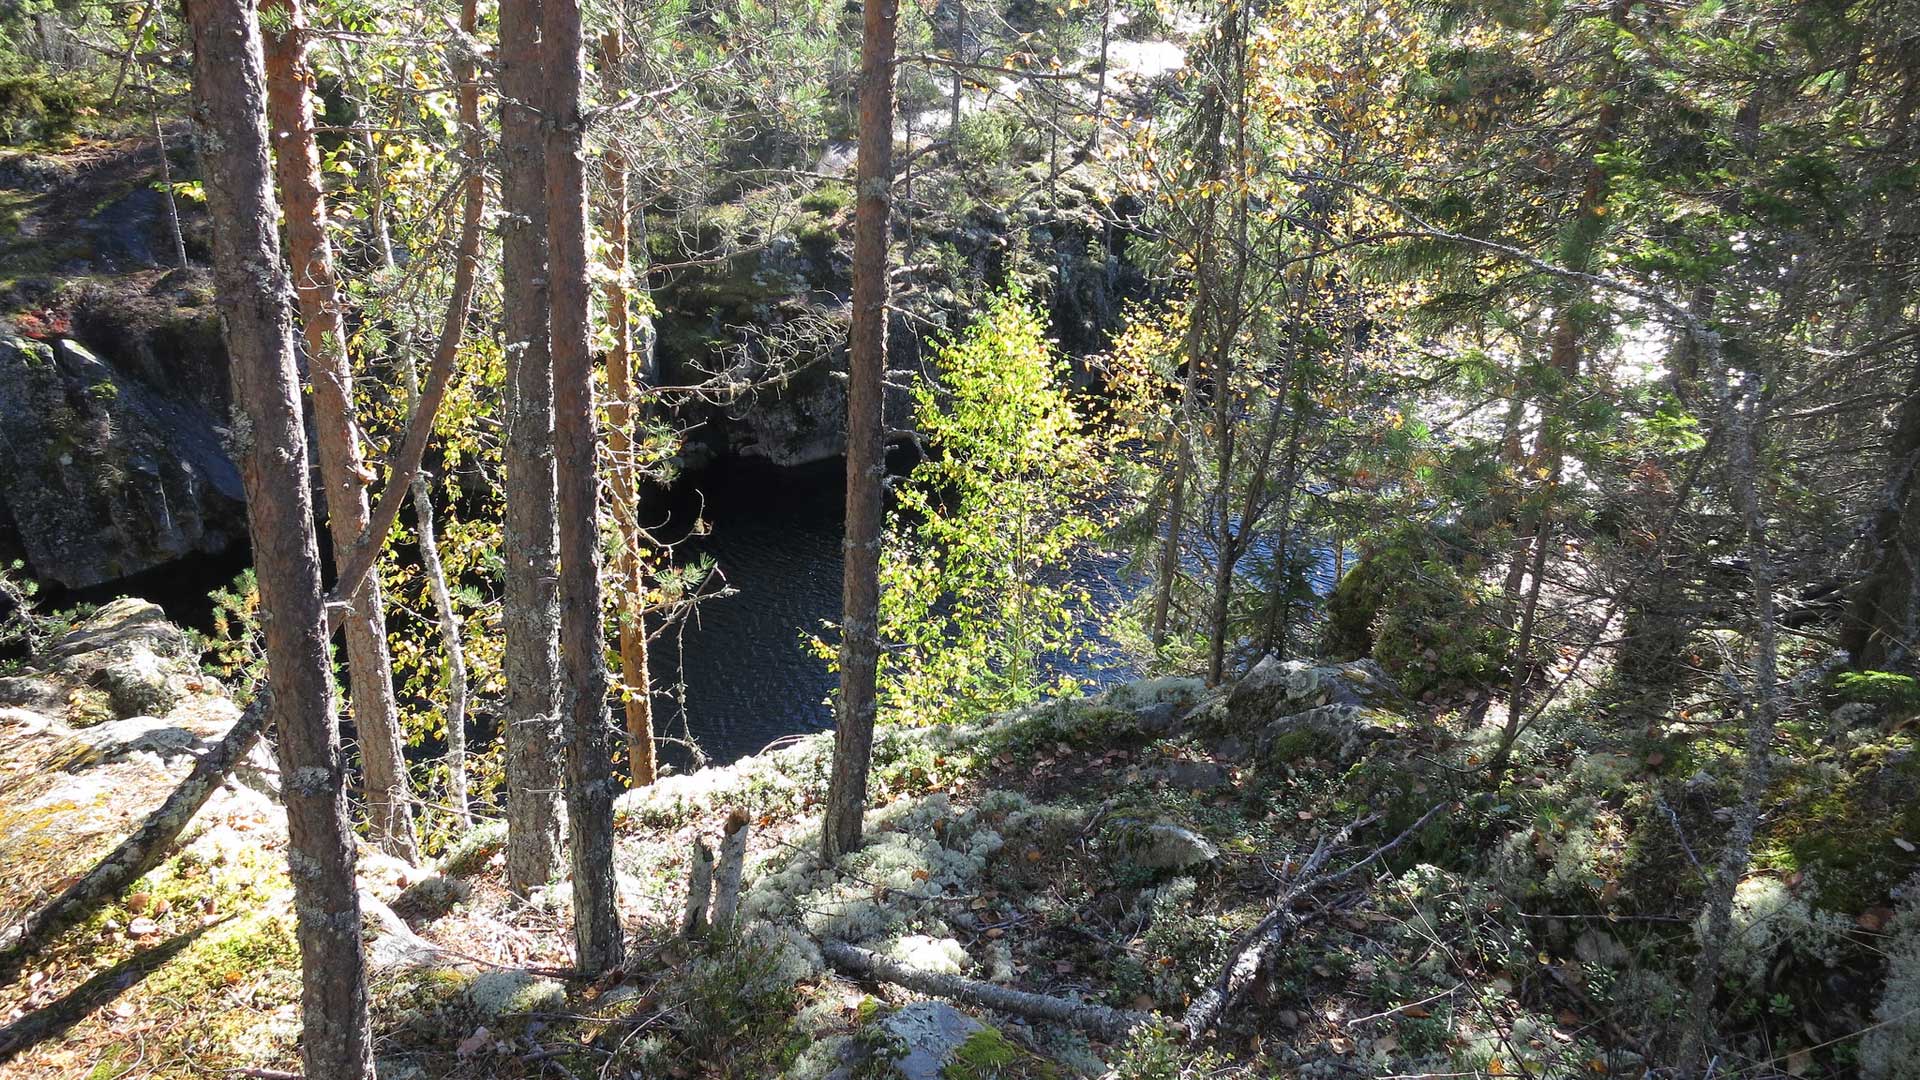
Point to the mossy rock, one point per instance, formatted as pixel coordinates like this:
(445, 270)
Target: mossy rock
(1840, 822)
(1430, 622)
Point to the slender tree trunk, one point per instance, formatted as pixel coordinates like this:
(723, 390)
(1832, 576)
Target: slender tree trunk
(1100, 92)
(590, 787)
(472, 215)
(1213, 120)
(623, 413)
(377, 197)
(343, 473)
(269, 443)
(436, 574)
(1229, 543)
(1745, 418)
(166, 181)
(959, 73)
(866, 449)
(530, 535)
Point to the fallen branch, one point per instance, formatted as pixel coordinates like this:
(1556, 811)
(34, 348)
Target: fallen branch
(1251, 954)
(142, 851)
(1097, 1020)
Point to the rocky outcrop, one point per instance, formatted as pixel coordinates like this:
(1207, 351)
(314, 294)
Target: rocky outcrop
(770, 323)
(107, 475)
(80, 777)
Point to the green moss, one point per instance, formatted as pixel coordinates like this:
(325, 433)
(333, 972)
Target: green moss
(1837, 822)
(989, 1055)
(827, 199)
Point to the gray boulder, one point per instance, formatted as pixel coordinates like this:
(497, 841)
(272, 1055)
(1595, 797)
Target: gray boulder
(144, 664)
(1277, 688)
(1160, 846)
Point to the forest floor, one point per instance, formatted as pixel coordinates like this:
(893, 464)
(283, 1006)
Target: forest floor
(1113, 850)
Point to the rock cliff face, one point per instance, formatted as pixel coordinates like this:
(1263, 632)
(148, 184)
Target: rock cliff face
(113, 377)
(108, 474)
(770, 323)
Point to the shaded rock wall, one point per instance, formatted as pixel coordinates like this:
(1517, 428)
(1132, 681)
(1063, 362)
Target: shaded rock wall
(107, 475)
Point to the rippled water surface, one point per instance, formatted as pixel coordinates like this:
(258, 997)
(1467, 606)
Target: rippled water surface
(775, 538)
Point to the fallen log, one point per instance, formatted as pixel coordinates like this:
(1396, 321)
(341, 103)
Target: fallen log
(142, 851)
(1096, 1020)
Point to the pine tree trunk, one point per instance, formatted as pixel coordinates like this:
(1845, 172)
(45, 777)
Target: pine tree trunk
(866, 449)
(530, 536)
(269, 443)
(590, 788)
(343, 473)
(623, 413)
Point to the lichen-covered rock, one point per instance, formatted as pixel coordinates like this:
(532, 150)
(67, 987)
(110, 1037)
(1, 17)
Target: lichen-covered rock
(130, 652)
(106, 475)
(1160, 846)
(1277, 688)
(1160, 706)
(928, 1033)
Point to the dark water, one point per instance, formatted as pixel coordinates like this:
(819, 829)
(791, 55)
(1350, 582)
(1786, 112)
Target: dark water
(776, 539)
(747, 678)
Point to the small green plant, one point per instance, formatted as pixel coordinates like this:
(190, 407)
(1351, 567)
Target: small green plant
(234, 647)
(1900, 693)
(1151, 1053)
(738, 1011)
(972, 601)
